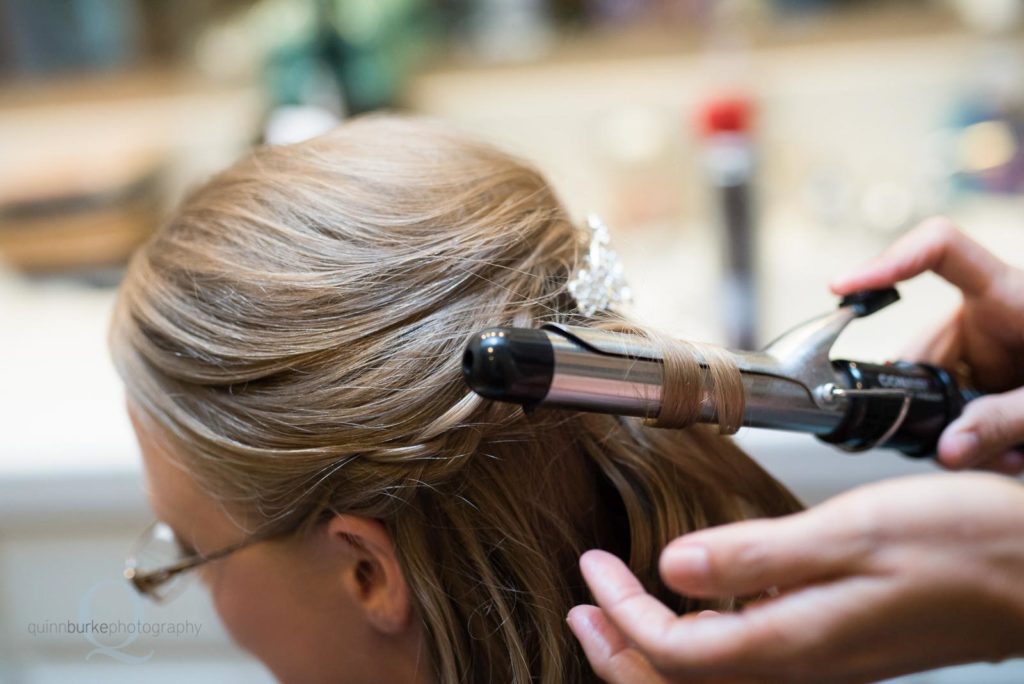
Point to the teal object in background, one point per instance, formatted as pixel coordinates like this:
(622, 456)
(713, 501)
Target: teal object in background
(60, 36)
(354, 56)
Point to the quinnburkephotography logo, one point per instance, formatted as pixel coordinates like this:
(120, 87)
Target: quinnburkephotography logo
(114, 638)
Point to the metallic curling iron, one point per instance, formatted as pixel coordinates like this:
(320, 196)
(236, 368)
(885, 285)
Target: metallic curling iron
(792, 384)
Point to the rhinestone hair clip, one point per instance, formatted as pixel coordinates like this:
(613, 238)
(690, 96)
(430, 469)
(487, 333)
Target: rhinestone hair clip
(598, 283)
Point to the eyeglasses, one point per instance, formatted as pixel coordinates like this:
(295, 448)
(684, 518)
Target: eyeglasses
(158, 563)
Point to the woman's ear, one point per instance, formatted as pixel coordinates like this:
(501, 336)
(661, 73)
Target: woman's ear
(374, 577)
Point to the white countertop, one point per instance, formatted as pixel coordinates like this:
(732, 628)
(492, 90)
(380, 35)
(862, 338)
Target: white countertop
(61, 407)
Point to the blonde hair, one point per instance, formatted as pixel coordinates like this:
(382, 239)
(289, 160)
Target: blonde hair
(298, 328)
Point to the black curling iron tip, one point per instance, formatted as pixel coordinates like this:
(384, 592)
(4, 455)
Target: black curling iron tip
(509, 364)
(488, 365)
(867, 302)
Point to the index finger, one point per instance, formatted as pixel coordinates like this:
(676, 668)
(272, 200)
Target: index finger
(937, 246)
(719, 644)
(642, 617)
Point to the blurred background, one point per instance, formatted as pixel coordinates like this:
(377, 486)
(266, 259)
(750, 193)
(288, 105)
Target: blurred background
(743, 152)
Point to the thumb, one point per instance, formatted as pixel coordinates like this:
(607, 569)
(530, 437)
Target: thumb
(748, 558)
(611, 656)
(989, 427)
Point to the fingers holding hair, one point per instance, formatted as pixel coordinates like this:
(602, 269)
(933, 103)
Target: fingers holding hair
(728, 644)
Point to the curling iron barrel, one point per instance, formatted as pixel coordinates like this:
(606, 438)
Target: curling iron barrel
(790, 385)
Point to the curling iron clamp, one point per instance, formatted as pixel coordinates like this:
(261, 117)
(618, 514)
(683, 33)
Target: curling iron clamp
(791, 384)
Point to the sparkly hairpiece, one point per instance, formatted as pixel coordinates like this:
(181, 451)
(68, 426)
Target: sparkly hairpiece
(598, 282)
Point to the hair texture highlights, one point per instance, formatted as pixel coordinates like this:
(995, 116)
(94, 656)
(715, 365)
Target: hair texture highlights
(297, 329)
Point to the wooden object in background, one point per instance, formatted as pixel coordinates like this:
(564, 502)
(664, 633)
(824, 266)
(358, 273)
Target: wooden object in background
(87, 166)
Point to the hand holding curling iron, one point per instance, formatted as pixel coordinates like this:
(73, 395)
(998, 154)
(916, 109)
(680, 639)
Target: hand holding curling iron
(793, 383)
(985, 336)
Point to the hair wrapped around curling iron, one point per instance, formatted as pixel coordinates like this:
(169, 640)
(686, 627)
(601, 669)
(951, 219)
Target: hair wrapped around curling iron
(694, 375)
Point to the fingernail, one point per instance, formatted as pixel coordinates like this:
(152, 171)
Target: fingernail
(583, 627)
(570, 620)
(837, 283)
(689, 560)
(959, 445)
(590, 564)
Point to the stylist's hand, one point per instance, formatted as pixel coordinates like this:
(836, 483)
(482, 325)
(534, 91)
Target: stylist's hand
(985, 335)
(887, 579)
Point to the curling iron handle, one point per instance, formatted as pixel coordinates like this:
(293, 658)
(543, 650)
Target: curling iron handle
(915, 402)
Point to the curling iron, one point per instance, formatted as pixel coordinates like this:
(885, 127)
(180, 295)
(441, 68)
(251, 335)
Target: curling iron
(791, 384)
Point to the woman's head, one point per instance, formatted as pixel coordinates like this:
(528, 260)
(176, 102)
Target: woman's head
(291, 343)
